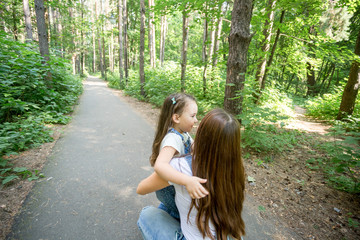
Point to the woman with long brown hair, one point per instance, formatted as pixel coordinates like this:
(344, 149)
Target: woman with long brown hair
(216, 157)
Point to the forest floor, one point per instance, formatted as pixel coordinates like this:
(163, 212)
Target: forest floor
(284, 187)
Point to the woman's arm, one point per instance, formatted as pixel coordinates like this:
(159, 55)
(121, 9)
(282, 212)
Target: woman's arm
(151, 184)
(165, 171)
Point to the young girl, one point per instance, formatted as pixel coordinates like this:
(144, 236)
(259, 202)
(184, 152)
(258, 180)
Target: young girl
(217, 158)
(177, 117)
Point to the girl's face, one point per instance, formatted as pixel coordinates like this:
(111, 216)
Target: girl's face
(186, 121)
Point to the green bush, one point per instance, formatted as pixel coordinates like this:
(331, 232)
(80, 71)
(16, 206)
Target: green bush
(343, 164)
(327, 106)
(28, 101)
(160, 82)
(269, 139)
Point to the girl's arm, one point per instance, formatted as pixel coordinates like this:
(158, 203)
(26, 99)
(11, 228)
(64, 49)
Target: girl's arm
(165, 171)
(151, 184)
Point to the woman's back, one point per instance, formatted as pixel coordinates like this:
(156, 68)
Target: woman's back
(183, 201)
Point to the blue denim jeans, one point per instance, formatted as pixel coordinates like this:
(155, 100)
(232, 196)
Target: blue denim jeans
(167, 198)
(155, 223)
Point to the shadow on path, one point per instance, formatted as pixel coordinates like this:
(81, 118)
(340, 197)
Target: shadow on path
(92, 174)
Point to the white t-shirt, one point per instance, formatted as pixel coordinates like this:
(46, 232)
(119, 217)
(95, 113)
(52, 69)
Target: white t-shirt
(183, 201)
(174, 140)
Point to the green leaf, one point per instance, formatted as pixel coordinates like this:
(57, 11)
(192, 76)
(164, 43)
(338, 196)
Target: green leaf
(9, 179)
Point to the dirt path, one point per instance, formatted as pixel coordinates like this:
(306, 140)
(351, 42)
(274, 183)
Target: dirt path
(301, 122)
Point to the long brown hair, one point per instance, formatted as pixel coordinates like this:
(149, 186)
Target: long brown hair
(217, 158)
(173, 104)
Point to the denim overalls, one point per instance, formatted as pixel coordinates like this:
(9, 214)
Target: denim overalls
(167, 195)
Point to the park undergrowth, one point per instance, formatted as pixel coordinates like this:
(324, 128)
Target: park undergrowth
(30, 101)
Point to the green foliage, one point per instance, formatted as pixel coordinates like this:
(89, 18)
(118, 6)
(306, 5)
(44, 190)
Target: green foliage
(327, 106)
(269, 139)
(23, 134)
(343, 166)
(342, 163)
(9, 174)
(160, 82)
(28, 101)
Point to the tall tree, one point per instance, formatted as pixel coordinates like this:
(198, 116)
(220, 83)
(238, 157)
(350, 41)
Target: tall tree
(185, 30)
(162, 38)
(265, 48)
(42, 29)
(272, 54)
(152, 33)
(239, 41)
(218, 34)
(126, 68)
(14, 19)
(204, 51)
(42, 34)
(352, 86)
(102, 26)
(120, 22)
(99, 24)
(142, 47)
(28, 26)
(94, 39)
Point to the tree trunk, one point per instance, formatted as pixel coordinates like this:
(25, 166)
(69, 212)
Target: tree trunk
(162, 39)
(14, 19)
(265, 49)
(185, 38)
(103, 43)
(99, 43)
(152, 34)
(60, 27)
(212, 42)
(239, 41)
(310, 76)
(120, 22)
(82, 45)
(272, 51)
(331, 77)
(42, 29)
(94, 49)
(352, 86)
(29, 34)
(217, 36)
(101, 59)
(42, 34)
(125, 42)
(55, 20)
(310, 72)
(204, 52)
(142, 48)
(104, 55)
(205, 37)
(111, 52)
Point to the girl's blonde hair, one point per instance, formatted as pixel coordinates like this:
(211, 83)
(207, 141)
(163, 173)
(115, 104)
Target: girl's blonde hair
(217, 158)
(173, 104)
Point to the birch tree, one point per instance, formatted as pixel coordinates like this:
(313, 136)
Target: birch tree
(142, 47)
(28, 26)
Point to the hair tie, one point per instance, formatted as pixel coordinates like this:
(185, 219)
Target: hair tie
(173, 100)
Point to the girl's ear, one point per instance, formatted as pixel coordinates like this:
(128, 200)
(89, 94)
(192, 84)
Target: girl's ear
(175, 118)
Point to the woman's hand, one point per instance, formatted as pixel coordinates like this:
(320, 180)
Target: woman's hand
(195, 188)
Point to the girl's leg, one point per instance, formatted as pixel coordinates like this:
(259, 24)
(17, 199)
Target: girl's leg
(155, 223)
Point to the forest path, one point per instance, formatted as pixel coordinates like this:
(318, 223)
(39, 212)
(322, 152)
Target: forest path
(92, 174)
(303, 123)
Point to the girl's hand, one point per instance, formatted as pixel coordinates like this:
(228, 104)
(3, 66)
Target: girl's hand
(195, 189)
